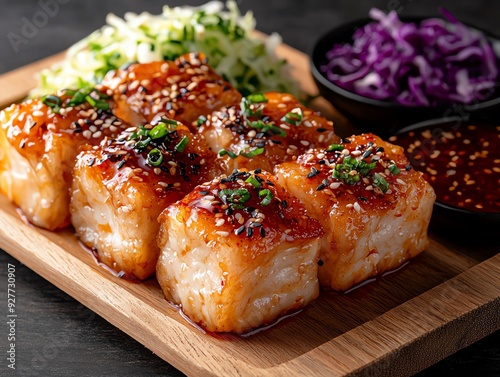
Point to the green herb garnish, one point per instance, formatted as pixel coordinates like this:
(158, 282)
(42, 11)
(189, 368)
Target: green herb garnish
(182, 144)
(268, 196)
(155, 157)
(380, 182)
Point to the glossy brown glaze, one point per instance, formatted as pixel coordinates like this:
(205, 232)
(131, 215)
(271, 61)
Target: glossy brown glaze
(461, 163)
(238, 252)
(183, 90)
(118, 193)
(230, 129)
(255, 228)
(370, 228)
(39, 146)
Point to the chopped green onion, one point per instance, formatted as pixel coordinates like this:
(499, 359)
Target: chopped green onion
(224, 152)
(247, 111)
(252, 153)
(181, 145)
(268, 196)
(257, 98)
(394, 169)
(380, 182)
(155, 157)
(142, 144)
(253, 181)
(133, 136)
(143, 131)
(201, 119)
(103, 105)
(335, 147)
(78, 98)
(234, 197)
(170, 122)
(51, 101)
(159, 131)
(260, 125)
(293, 117)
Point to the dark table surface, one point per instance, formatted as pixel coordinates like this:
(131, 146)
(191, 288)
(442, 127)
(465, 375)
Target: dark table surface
(56, 335)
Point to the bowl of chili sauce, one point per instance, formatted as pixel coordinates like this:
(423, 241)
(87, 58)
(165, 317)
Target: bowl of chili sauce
(461, 160)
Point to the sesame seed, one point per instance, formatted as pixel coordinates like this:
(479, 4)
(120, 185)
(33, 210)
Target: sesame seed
(97, 135)
(222, 233)
(37, 113)
(357, 207)
(335, 185)
(220, 222)
(87, 134)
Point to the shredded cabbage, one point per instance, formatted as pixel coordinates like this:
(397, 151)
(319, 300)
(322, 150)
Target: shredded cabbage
(224, 36)
(428, 64)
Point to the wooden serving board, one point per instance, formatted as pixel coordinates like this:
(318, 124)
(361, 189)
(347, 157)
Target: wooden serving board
(445, 299)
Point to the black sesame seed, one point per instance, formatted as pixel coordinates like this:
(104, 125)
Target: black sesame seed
(120, 164)
(249, 232)
(320, 263)
(408, 167)
(370, 144)
(362, 198)
(321, 187)
(204, 192)
(255, 225)
(262, 232)
(269, 183)
(258, 171)
(240, 230)
(91, 161)
(314, 172)
(345, 141)
(249, 209)
(321, 162)
(284, 203)
(320, 129)
(260, 144)
(367, 153)
(276, 141)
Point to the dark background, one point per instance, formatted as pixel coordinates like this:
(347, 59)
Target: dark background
(57, 336)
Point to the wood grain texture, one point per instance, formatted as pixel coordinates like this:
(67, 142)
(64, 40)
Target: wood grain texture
(441, 302)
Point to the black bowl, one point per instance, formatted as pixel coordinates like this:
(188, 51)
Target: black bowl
(451, 219)
(385, 118)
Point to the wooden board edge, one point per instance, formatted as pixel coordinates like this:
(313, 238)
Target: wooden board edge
(71, 275)
(21, 80)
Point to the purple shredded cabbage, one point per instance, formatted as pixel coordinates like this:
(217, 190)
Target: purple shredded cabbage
(430, 64)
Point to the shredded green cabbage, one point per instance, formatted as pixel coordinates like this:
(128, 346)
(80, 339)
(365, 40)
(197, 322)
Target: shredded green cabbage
(224, 36)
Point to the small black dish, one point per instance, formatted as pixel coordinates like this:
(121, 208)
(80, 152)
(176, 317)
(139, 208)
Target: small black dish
(446, 217)
(386, 118)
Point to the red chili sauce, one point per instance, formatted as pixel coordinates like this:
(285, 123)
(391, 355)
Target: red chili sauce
(460, 161)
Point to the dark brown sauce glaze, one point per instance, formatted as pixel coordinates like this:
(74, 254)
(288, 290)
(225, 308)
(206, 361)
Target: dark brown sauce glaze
(183, 89)
(366, 149)
(462, 163)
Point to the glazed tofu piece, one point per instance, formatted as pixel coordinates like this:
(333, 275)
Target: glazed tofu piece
(120, 187)
(238, 252)
(374, 208)
(184, 90)
(39, 142)
(264, 130)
